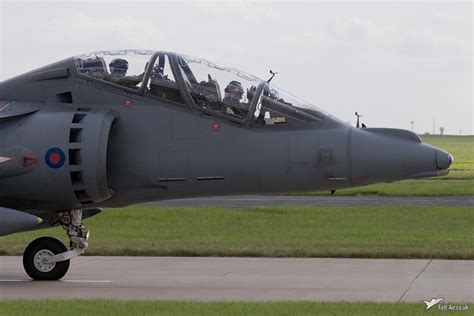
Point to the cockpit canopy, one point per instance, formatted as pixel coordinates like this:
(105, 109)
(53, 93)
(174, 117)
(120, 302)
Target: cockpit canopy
(122, 67)
(211, 88)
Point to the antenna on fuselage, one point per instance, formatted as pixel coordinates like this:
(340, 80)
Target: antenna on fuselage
(358, 115)
(273, 75)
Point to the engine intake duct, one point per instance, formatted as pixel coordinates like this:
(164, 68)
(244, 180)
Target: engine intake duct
(62, 161)
(88, 139)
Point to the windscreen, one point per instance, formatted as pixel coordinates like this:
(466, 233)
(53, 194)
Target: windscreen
(277, 107)
(219, 89)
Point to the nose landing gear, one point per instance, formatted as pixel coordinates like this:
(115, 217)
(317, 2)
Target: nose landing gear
(36, 255)
(47, 258)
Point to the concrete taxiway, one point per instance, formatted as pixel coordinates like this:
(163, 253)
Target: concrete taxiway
(196, 278)
(317, 201)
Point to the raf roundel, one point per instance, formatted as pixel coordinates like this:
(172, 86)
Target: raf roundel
(54, 158)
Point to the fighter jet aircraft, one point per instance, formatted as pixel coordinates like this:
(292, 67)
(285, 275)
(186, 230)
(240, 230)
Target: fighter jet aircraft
(114, 128)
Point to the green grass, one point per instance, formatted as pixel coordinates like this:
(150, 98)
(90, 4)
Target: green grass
(109, 307)
(462, 148)
(459, 181)
(407, 188)
(284, 231)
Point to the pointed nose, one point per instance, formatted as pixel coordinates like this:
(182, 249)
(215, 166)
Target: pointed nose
(385, 155)
(443, 159)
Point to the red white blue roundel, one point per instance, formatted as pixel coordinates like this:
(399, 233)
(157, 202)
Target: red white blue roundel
(55, 158)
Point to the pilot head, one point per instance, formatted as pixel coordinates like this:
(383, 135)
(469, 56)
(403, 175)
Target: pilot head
(118, 67)
(234, 90)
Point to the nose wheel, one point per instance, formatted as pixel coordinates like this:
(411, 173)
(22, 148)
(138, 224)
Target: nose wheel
(37, 256)
(47, 258)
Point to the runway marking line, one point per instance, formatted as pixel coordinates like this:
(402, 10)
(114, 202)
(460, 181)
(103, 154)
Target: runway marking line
(87, 281)
(67, 281)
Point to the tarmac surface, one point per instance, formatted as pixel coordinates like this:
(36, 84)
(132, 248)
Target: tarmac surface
(255, 200)
(258, 279)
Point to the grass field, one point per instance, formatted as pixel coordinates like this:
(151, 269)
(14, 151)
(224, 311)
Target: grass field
(283, 231)
(107, 307)
(407, 188)
(461, 147)
(459, 181)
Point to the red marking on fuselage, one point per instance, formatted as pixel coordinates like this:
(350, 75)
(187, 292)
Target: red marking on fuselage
(360, 179)
(29, 161)
(216, 127)
(128, 103)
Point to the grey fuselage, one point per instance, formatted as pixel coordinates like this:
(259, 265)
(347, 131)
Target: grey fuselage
(122, 147)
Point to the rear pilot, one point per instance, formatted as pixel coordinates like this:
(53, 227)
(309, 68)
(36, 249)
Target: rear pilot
(231, 102)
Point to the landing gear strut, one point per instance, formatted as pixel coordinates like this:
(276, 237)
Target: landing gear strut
(47, 258)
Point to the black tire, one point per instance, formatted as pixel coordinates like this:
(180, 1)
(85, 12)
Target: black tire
(45, 244)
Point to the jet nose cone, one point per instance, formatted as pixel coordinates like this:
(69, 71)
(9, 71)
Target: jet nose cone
(385, 155)
(443, 159)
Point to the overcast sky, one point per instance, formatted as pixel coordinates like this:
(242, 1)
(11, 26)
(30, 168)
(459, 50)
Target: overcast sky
(393, 62)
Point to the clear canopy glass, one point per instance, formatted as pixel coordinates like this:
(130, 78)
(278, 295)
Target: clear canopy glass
(276, 106)
(216, 89)
(122, 67)
(212, 87)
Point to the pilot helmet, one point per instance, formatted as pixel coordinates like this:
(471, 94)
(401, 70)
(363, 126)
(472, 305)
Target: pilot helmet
(235, 86)
(118, 66)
